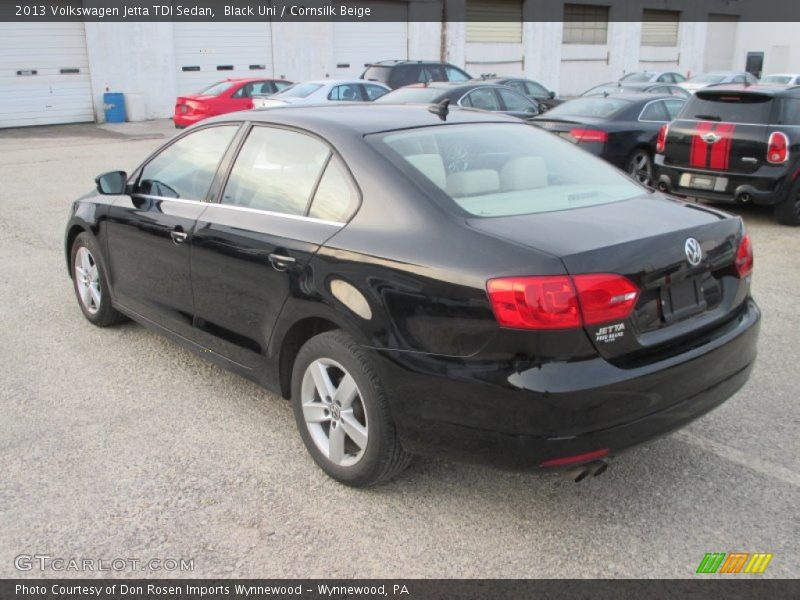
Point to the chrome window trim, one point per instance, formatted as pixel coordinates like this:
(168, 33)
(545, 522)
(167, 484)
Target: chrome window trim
(246, 209)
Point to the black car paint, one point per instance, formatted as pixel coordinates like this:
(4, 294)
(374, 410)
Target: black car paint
(545, 102)
(626, 132)
(459, 385)
(748, 173)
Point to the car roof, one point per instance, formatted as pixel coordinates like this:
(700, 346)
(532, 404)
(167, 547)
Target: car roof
(361, 118)
(342, 82)
(395, 62)
(245, 79)
(455, 85)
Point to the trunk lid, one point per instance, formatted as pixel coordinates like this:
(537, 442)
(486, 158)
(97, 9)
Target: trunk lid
(645, 240)
(721, 131)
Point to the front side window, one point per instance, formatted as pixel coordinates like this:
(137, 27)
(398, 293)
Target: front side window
(483, 98)
(455, 74)
(345, 93)
(186, 168)
(374, 91)
(516, 102)
(504, 169)
(276, 171)
(534, 89)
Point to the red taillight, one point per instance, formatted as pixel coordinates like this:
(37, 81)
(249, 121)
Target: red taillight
(778, 148)
(588, 135)
(661, 140)
(744, 257)
(561, 301)
(535, 302)
(576, 459)
(605, 297)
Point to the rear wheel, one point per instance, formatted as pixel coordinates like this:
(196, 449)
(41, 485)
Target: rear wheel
(640, 167)
(787, 211)
(90, 283)
(342, 412)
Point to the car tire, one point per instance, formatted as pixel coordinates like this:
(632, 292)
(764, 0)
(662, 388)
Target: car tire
(90, 283)
(640, 166)
(787, 211)
(348, 428)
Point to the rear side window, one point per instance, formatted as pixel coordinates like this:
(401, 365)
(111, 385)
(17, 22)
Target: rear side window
(377, 74)
(753, 109)
(186, 168)
(790, 111)
(653, 112)
(336, 198)
(276, 171)
(404, 76)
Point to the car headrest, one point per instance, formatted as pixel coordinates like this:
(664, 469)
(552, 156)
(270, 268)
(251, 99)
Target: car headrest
(430, 165)
(473, 183)
(523, 173)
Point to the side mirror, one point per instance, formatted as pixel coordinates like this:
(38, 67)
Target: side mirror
(551, 95)
(112, 183)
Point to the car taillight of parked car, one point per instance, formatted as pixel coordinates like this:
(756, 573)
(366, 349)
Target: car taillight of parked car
(744, 257)
(588, 135)
(661, 140)
(778, 148)
(561, 301)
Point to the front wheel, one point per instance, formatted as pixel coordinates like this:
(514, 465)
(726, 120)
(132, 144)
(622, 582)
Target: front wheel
(90, 283)
(342, 412)
(640, 167)
(787, 212)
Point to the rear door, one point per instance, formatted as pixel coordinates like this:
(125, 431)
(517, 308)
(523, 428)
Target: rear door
(286, 194)
(721, 132)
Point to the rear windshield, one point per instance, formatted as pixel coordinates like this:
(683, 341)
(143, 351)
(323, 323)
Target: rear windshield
(421, 95)
(505, 169)
(736, 108)
(605, 88)
(377, 74)
(216, 89)
(299, 90)
(588, 107)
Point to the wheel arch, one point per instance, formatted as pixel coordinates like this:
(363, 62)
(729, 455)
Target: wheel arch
(290, 343)
(73, 231)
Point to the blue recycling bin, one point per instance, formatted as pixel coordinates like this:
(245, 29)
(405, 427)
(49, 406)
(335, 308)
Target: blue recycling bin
(114, 106)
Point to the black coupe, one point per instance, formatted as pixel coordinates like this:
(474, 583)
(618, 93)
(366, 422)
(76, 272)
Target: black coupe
(418, 280)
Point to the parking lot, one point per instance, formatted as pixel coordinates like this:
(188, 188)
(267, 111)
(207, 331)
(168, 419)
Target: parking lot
(118, 443)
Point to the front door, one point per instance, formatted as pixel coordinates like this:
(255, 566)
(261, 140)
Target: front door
(287, 193)
(149, 231)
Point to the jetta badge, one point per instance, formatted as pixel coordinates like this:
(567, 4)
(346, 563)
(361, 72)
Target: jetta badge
(711, 137)
(694, 253)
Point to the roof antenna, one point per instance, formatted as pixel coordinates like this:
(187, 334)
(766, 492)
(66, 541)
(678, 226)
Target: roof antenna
(441, 109)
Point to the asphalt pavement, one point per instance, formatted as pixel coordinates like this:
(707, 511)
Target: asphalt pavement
(116, 443)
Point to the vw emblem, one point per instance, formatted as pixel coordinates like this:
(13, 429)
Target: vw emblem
(694, 253)
(711, 137)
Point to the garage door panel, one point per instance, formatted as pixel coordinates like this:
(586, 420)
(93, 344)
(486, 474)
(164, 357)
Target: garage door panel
(357, 44)
(203, 47)
(48, 96)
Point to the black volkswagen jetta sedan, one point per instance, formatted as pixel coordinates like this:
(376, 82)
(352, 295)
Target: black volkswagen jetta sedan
(417, 281)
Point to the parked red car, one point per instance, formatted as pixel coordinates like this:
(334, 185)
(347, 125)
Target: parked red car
(223, 97)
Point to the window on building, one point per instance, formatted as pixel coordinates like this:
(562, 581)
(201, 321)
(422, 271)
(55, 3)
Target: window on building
(496, 21)
(660, 27)
(585, 24)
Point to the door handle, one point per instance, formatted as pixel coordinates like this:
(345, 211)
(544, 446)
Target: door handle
(281, 262)
(178, 235)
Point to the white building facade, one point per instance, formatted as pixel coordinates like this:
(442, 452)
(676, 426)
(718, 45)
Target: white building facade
(58, 72)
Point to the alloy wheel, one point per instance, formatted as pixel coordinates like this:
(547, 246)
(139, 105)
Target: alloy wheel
(641, 168)
(334, 412)
(87, 280)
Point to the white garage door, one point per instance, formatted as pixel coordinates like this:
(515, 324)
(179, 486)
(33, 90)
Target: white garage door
(357, 44)
(721, 37)
(44, 74)
(209, 52)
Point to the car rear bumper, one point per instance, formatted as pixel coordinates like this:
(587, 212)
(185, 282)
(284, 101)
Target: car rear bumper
(519, 418)
(182, 120)
(768, 185)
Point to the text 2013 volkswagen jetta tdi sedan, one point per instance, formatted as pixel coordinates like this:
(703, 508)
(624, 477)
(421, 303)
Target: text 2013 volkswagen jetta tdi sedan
(459, 284)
